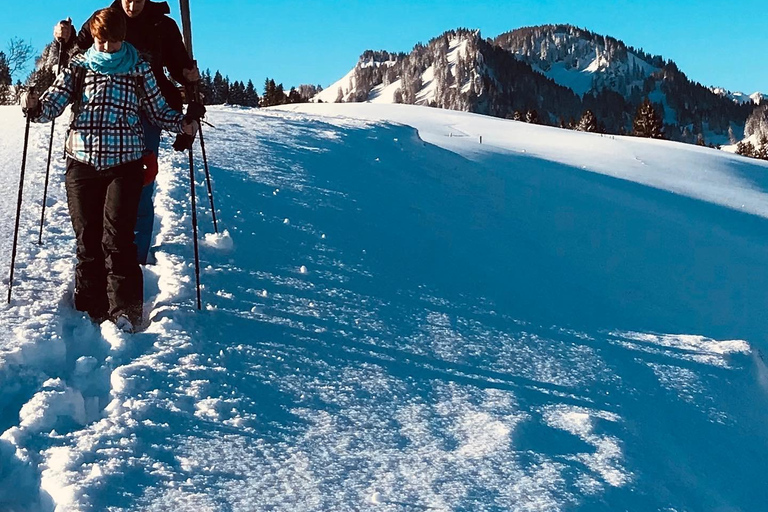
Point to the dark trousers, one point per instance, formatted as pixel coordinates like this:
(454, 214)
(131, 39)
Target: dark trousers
(102, 206)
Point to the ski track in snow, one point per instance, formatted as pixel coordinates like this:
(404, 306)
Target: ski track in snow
(332, 369)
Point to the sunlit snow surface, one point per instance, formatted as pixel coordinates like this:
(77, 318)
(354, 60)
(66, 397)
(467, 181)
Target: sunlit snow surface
(401, 320)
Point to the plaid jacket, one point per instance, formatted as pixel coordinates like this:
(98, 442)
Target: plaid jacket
(107, 131)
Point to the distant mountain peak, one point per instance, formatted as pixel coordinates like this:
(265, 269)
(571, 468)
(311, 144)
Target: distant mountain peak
(549, 73)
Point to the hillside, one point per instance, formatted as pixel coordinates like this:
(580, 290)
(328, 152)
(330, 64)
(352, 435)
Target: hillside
(402, 317)
(559, 71)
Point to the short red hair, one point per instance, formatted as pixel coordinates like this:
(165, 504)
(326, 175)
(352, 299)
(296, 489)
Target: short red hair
(108, 25)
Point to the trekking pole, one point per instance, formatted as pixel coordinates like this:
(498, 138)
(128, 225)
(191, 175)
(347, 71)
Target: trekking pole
(207, 173)
(194, 226)
(18, 204)
(186, 24)
(50, 147)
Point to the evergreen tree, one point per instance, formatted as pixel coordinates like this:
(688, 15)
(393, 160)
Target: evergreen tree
(762, 150)
(218, 95)
(45, 64)
(647, 122)
(251, 97)
(237, 93)
(745, 149)
(268, 99)
(5, 80)
(588, 122)
(225, 90)
(294, 96)
(206, 87)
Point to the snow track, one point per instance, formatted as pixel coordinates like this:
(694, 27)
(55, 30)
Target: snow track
(389, 325)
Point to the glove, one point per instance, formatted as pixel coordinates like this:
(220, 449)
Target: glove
(29, 100)
(30, 103)
(190, 127)
(195, 111)
(183, 142)
(62, 32)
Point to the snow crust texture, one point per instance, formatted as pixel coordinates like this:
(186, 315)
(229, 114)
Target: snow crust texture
(398, 317)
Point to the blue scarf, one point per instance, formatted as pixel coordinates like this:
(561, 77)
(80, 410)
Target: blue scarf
(122, 61)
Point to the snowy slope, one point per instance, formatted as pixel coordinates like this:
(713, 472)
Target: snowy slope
(403, 318)
(345, 84)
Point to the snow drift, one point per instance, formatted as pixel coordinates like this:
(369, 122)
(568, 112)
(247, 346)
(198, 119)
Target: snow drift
(402, 317)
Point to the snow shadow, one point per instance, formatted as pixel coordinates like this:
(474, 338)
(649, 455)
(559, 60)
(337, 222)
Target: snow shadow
(497, 320)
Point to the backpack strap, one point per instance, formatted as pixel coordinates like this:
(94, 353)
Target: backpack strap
(138, 83)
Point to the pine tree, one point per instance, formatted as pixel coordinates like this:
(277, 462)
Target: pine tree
(45, 64)
(251, 97)
(270, 93)
(206, 87)
(5, 80)
(294, 96)
(647, 122)
(745, 149)
(225, 90)
(588, 122)
(217, 96)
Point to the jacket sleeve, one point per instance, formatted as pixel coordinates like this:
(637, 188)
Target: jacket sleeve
(81, 42)
(175, 55)
(154, 105)
(56, 98)
(84, 38)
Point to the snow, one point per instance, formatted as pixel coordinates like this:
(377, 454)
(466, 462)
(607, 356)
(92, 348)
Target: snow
(385, 94)
(739, 97)
(580, 82)
(331, 93)
(549, 320)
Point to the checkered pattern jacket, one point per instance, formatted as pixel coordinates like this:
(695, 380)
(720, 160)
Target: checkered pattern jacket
(107, 130)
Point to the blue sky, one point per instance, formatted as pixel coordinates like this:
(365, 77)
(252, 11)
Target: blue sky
(319, 41)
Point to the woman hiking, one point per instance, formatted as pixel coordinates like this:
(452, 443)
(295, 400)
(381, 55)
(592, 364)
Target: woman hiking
(110, 86)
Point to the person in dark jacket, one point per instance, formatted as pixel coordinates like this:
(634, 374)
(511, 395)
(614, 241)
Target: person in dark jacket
(104, 177)
(157, 38)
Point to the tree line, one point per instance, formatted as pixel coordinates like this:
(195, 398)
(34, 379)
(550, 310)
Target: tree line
(217, 89)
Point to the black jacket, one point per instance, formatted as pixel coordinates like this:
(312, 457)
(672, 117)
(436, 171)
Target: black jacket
(158, 40)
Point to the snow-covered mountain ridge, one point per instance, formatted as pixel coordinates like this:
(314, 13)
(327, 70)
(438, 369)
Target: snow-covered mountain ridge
(739, 97)
(402, 317)
(581, 70)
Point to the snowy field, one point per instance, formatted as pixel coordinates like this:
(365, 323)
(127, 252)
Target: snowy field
(401, 318)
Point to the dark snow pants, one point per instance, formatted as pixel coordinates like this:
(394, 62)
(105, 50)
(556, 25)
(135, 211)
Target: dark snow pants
(102, 206)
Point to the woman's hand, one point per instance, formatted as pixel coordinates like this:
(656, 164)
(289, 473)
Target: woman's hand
(189, 127)
(29, 101)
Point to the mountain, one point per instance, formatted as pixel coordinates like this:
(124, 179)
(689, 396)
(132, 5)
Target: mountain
(581, 60)
(756, 98)
(399, 318)
(458, 70)
(581, 71)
